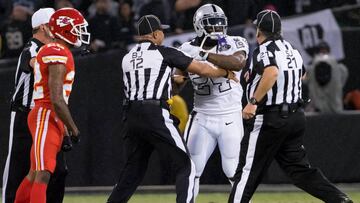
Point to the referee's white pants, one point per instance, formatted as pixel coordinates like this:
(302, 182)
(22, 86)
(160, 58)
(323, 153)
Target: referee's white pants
(203, 132)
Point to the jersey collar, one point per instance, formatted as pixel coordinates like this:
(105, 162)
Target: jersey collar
(271, 39)
(145, 41)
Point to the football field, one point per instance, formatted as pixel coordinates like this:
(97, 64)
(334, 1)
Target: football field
(260, 197)
(211, 194)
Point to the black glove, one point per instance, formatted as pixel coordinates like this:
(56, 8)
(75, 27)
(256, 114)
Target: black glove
(67, 144)
(75, 139)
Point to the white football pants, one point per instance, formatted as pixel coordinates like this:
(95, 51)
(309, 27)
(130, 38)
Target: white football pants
(204, 131)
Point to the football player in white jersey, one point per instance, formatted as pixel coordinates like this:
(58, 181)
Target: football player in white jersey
(216, 118)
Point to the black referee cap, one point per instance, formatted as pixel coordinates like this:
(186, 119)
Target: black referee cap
(269, 21)
(148, 24)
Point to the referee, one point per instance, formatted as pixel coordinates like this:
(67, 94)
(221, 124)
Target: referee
(20, 141)
(275, 119)
(147, 72)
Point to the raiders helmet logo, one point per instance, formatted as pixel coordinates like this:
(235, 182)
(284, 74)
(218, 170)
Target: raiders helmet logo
(64, 21)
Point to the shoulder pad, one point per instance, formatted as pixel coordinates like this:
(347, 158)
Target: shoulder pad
(53, 53)
(186, 47)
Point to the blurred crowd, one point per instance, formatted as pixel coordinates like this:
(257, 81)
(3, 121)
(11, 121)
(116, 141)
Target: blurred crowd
(112, 21)
(325, 81)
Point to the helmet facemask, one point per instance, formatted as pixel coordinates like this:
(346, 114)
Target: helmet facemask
(210, 24)
(83, 36)
(214, 26)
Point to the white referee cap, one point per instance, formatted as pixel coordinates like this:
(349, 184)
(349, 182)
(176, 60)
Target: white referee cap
(41, 16)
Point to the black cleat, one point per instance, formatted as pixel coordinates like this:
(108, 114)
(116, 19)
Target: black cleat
(346, 200)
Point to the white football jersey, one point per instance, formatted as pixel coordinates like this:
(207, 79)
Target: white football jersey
(217, 95)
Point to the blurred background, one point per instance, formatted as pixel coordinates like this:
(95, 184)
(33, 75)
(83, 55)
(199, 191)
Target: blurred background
(327, 33)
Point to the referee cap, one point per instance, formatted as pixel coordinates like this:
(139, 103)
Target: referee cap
(269, 21)
(41, 16)
(148, 24)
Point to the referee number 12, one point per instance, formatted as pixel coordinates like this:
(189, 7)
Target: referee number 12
(137, 60)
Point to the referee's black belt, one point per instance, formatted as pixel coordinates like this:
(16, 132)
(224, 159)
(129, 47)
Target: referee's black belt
(151, 102)
(284, 108)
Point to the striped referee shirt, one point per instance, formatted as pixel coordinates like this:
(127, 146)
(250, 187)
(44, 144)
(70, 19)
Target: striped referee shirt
(278, 53)
(147, 71)
(24, 76)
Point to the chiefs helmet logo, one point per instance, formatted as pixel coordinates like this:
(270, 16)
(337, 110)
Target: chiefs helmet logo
(64, 21)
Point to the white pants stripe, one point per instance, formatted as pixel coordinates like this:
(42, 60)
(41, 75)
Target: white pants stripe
(7, 165)
(249, 158)
(174, 132)
(180, 143)
(36, 134)
(43, 139)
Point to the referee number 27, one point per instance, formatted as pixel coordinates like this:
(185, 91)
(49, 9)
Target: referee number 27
(137, 60)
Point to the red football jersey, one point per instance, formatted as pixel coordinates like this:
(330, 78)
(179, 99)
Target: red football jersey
(51, 54)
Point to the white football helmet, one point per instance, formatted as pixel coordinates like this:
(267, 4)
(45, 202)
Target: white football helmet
(210, 20)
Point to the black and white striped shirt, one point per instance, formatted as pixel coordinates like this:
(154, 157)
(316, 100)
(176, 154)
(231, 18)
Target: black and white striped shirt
(24, 76)
(279, 53)
(147, 71)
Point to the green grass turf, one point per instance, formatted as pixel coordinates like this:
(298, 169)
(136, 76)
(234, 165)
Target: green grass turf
(286, 197)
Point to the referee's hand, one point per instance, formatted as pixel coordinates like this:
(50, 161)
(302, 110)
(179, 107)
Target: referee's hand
(232, 76)
(249, 111)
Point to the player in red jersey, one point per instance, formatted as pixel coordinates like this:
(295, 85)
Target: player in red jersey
(50, 119)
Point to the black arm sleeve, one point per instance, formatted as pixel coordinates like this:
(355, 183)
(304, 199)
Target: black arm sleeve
(175, 58)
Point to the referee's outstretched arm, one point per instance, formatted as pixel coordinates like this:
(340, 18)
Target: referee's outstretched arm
(208, 70)
(203, 69)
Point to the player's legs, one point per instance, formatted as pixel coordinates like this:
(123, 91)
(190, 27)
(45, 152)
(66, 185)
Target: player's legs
(38, 190)
(46, 150)
(229, 141)
(56, 187)
(24, 190)
(293, 160)
(200, 144)
(47, 136)
(19, 144)
(15, 170)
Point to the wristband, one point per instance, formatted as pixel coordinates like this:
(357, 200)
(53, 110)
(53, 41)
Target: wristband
(253, 101)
